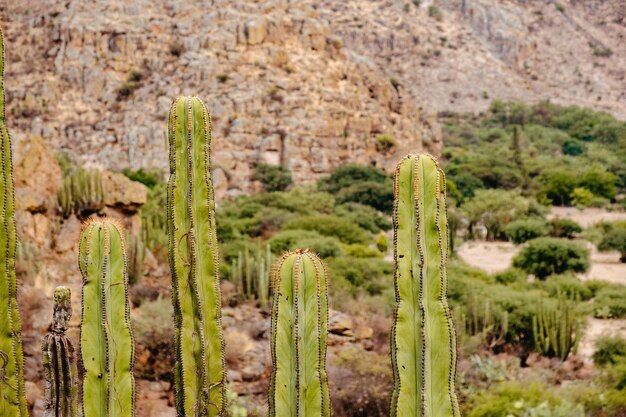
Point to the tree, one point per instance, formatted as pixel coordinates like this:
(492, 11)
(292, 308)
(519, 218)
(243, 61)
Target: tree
(494, 209)
(273, 177)
(546, 256)
(347, 175)
(615, 240)
(557, 186)
(523, 230)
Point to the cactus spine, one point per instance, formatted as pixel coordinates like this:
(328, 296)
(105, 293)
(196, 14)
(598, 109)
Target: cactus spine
(199, 374)
(12, 396)
(556, 329)
(59, 361)
(423, 341)
(298, 383)
(106, 338)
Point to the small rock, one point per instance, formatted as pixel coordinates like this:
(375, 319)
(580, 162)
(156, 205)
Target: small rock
(340, 324)
(256, 30)
(123, 193)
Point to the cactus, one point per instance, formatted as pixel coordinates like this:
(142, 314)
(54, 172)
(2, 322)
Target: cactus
(12, 396)
(199, 373)
(250, 275)
(136, 254)
(82, 193)
(557, 329)
(481, 317)
(59, 362)
(298, 382)
(423, 342)
(106, 338)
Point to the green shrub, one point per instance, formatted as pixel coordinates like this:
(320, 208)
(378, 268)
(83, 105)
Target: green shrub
(369, 193)
(610, 301)
(512, 398)
(149, 178)
(573, 148)
(361, 251)
(347, 175)
(510, 276)
(273, 177)
(582, 197)
(323, 246)
(567, 285)
(614, 240)
(435, 12)
(566, 228)
(326, 225)
(385, 142)
(558, 185)
(599, 181)
(371, 274)
(547, 256)
(287, 240)
(154, 339)
(363, 216)
(609, 350)
(523, 230)
(494, 209)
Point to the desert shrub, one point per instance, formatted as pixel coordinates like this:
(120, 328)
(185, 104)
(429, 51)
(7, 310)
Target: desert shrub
(609, 350)
(286, 240)
(148, 177)
(567, 285)
(547, 256)
(610, 301)
(557, 186)
(510, 276)
(564, 228)
(361, 383)
(599, 181)
(614, 240)
(573, 148)
(467, 184)
(361, 251)
(523, 230)
(326, 225)
(273, 177)
(385, 142)
(435, 12)
(364, 216)
(369, 193)
(582, 197)
(370, 274)
(347, 175)
(323, 246)
(154, 337)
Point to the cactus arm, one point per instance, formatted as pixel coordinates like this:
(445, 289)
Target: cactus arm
(423, 336)
(92, 335)
(119, 334)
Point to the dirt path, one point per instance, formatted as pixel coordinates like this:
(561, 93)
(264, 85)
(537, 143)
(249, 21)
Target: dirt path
(586, 217)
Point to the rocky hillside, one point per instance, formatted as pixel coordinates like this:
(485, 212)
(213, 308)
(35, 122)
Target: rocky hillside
(308, 84)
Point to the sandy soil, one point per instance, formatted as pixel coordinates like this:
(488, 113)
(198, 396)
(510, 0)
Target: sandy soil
(596, 328)
(586, 217)
(491, 257)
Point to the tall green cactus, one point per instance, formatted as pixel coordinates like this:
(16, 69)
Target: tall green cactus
(423, 342)
(557, 329)
(199, 374)
(12, 396)
(106, 338)
(298, 383)
(59, 361)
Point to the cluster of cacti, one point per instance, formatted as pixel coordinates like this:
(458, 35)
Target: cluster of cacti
(481, 317)
(59, 361)
(423, 341)
(82, 193)
(199, 374)
(250, 274)
(12, 397)
(557, 329)
(106, 338)
(298, 383)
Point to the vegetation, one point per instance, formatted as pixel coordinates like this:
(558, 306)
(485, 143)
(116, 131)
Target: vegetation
(421, 239)
(609, 350)
(547, 256)
(273, 177)
(557, 329)
(82, 193)
(615, 240)
(199, 374)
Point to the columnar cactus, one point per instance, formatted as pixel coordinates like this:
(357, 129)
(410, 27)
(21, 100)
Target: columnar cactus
(59, 361)
(106, 338)
(557, 329)
(12, 397)
(298, 383)
(199, 374)
(423, 342)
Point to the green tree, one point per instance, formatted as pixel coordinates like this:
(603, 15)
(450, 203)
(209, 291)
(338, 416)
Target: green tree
(615, 240)
(523, 230)
(494, 209)
(557, 186)
(273, 177)
(599, 181)
(546, 256)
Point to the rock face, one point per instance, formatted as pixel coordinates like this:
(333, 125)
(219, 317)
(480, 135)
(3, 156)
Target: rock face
(97, 79)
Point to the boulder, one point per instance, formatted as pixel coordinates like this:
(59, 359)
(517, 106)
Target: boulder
(256, 30)
(122, 193)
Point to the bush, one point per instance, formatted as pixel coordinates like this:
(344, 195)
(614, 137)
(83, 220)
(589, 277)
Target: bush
(330, 226)
(567, 285)
(566, 228)
(547, 256)
(557, 186)
(573, 148)
(614, 240)
(523, 230)
(609, 350)
(435, 13)
(347, 175)
(149, 178)
(494, 209)
(582, 197)
(369, 193)
(364, 216)
(154, 336)
(273, 177)
(385, 142)
(510, 276)
(610, 301)
(323, 246)
(287, 240)
(599, 181)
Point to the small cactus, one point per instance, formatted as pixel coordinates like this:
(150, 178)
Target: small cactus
(298, 383)
(423, 338)
(12, 395)
(106, 338)
(557, 329)
(199, 373)
(59, 361)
